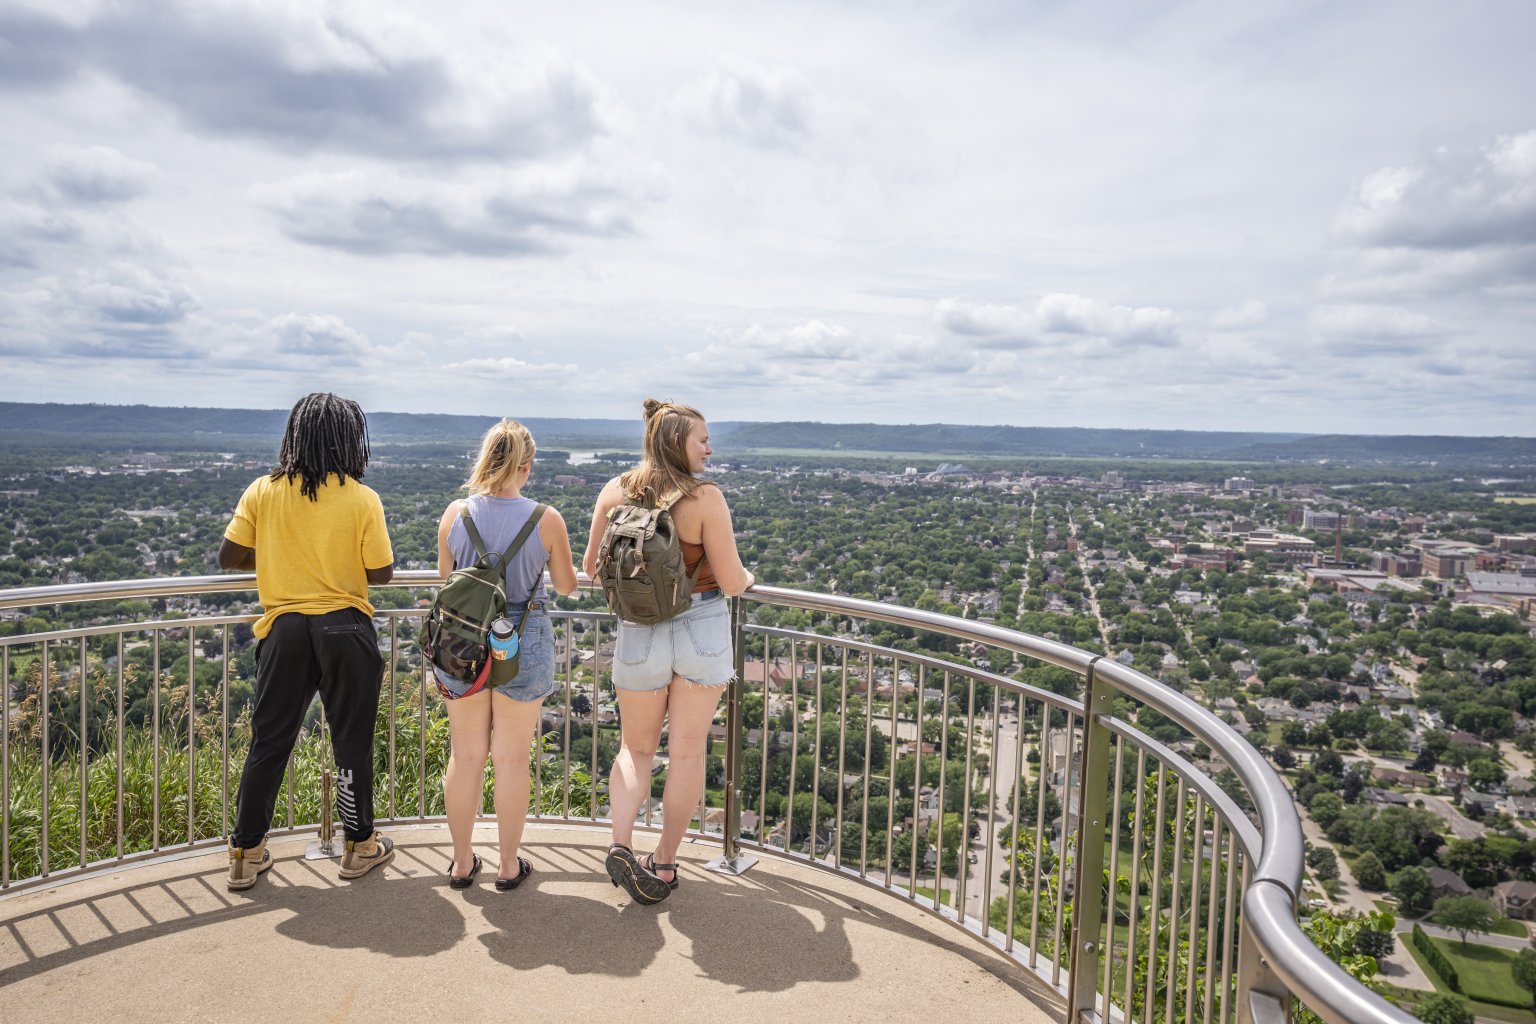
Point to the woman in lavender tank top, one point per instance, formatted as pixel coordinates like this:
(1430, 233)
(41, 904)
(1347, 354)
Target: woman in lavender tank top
(500, 723)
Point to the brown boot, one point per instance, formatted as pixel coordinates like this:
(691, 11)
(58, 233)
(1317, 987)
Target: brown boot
(363, 855)
(245, 866)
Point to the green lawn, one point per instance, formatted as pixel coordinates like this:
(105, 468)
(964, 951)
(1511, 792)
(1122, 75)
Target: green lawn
(926, 893)
(1408, 999)
(1509, 926)
(1484, 971)
(1490, 1010)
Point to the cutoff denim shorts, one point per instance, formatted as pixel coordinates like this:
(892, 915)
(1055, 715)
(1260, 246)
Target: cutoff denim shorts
(695, 644)
(535, 677)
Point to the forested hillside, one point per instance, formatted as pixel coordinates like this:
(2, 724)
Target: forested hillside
(23, 420)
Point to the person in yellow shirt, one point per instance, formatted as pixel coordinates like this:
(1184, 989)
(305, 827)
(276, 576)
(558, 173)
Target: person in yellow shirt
(316, 538)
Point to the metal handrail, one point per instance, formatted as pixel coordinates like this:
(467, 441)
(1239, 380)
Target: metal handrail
(1269, 897)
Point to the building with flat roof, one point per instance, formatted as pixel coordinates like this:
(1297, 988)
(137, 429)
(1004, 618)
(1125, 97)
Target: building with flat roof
(1447, 563)
(1286, 546)
(1319, 519)
(1502, 584)
(1398, 564)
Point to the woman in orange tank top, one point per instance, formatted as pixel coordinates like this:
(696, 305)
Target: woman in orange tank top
(674, 672)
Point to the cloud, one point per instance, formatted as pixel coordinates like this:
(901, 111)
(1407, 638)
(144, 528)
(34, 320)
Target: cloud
(1414, 274)
(34, 50)
(1055, 315)
(1010, 324)
(118, 310)
(1455, 199)
(830, 360)
(764, 107)
(511, 370)
(1236, 318)
(1373, 330)
(124, 293)
(504, 334)
(517, 213)
(310, 77)
(321, 337)
(28, 227)
(1463, 219)
(813, 340)
(1072, 314)
(97, 174)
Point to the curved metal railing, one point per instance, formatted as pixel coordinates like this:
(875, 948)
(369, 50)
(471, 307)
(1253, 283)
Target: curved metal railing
(1111, 869)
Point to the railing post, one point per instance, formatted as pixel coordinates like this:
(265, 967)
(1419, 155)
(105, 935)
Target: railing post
(1262, 998)
(731, 860)
(324, 847)
(1088, 871)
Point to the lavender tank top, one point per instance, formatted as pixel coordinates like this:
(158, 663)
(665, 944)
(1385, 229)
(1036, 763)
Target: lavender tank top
(498, 520)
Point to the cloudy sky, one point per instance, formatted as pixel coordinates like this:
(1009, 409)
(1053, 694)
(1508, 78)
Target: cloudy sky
(1268, 215)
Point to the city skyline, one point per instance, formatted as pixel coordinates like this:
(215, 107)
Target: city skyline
(1280, 218)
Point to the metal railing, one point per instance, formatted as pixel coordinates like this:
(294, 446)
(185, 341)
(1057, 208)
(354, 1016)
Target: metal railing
(868, 739)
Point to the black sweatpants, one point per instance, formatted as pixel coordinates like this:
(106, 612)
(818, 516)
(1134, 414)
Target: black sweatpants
(336, 654)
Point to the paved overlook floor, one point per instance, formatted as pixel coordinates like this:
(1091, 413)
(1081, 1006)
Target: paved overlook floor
(166, 942)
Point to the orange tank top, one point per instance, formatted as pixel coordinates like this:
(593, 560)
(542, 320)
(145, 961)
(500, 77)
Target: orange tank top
(693, 554)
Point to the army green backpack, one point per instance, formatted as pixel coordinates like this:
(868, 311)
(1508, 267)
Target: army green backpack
(456, 638)
(640, 563)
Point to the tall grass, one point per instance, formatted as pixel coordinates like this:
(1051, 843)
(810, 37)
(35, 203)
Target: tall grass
(421, 751)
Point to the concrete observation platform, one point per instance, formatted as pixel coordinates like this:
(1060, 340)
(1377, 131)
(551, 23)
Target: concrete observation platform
(165, 942)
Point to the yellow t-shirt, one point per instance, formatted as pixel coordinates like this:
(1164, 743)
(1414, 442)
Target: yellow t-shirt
(311, 555)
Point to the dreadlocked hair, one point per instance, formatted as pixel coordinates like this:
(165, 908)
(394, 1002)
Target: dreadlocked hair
(325, 434)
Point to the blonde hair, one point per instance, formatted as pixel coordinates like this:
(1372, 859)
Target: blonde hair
(506, 448)
(665, 467)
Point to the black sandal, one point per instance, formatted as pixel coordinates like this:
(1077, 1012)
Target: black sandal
(524, 869)
(456, 882)
(625, 871)
(651, 866)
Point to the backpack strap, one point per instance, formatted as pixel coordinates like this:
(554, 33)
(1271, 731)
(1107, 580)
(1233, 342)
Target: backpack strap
(698, 570)
(469, 528)
(512, 549)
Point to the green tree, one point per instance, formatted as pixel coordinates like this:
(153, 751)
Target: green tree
(1339, 940)
(1373, 943)
(1326, 808)
(1524, 970)
(1369, 872)
(1484, 772)
(1413, 889)
(1441, 1008)
(1462, 914)
(1323, 862)
(954, 842)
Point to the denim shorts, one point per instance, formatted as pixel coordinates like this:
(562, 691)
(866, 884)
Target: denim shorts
(535, 677)
(695, 644)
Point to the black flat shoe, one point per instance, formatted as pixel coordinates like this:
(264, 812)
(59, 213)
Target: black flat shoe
(455, 882)
(651, 866)
(624, 870)
(524, 869)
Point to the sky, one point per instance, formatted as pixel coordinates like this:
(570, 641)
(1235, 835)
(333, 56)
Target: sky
(1273, 215)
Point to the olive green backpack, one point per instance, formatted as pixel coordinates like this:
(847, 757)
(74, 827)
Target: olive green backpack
(640, 563)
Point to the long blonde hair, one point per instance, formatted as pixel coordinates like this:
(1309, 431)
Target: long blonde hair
(506, 448)
(664, 469)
